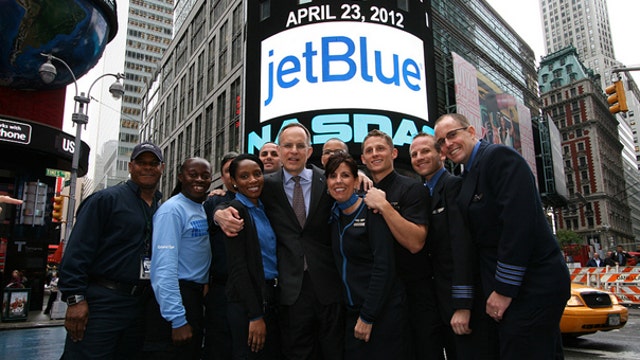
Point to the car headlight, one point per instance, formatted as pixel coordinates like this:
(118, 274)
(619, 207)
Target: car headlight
(575, 300)
(614, 299)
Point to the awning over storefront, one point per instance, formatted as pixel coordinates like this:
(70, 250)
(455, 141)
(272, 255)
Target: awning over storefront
(30, 144)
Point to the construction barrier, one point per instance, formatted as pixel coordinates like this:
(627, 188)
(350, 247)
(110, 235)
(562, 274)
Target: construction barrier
(624, 282)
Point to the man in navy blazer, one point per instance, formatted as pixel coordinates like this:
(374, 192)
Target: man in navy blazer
(312, 314)
(524, 277)
(463, 326)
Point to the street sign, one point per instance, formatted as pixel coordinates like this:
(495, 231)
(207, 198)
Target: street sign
(58, 173)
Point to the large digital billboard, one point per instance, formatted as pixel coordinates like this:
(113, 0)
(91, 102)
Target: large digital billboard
(341, 68)
(498, 117)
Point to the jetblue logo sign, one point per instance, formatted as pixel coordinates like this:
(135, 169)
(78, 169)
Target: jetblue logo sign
(340, 65)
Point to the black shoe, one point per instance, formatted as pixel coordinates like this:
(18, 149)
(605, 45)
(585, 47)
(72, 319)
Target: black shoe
(46, 312)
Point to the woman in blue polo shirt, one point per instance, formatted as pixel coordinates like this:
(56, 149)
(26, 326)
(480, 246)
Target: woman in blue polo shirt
(253, 269)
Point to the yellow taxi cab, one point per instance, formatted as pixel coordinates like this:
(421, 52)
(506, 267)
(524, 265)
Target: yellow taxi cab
(590, 310)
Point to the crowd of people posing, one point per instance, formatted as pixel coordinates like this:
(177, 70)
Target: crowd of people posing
(291, 261)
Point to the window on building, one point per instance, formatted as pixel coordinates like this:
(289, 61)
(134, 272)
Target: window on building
(197, 135)
(582, 161)
(576, 118)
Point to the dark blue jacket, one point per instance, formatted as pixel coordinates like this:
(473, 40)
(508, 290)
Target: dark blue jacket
(108, 238)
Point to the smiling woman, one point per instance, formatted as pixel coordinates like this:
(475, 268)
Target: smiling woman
(252, 285)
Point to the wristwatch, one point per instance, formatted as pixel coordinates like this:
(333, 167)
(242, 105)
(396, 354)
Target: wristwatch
(74, 299)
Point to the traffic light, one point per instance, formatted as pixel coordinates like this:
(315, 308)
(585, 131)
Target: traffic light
(617, 98)
(58, 205)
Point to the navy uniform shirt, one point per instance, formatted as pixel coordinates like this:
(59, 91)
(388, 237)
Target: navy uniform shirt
(410, 198)
(111, 234)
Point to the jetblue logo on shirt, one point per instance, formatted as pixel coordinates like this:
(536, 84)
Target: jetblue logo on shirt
(199, 228)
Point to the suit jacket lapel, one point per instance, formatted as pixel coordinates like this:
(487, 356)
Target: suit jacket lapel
(470, 180)
(438, 191)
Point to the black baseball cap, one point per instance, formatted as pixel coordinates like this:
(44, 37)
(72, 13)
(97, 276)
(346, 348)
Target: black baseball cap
(147, 147)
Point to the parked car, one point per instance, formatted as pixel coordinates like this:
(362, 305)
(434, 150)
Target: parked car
(590, 310)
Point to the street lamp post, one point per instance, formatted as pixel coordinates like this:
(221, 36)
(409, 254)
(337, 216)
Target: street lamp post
(79, 117)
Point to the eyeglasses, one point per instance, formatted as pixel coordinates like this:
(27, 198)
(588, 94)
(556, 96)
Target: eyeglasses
(332, 152)
(450, 135)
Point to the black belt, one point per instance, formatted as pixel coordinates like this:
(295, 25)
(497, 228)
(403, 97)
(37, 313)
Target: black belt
(125, 288)
(272, 282)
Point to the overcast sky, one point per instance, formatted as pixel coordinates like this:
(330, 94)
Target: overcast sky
(624, 17)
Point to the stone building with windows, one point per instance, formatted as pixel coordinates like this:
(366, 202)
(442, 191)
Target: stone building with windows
(598, 206)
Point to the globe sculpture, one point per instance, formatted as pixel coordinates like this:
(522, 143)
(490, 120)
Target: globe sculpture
(76, 31)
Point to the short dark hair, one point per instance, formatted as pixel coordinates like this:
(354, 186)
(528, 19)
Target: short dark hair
(436, 145)
(227, 157)
(233, 167)
(378, 133)
(338, 158)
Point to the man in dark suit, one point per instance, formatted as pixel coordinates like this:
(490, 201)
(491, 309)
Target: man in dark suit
(595, 261)
(621, 256)
(312, 315)
(524, 277)
(450, 253)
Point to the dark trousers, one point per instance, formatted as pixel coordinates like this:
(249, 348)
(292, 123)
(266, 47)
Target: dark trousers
(158, 344)
(311, 330)
(52, 299)
(482, 343)
(217, 334)
(388, 338)
(424, 320)
(114, 328)
(533, 327)
(239, 324)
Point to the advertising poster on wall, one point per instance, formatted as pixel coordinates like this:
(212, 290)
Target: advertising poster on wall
(498, 117)
(339, 68)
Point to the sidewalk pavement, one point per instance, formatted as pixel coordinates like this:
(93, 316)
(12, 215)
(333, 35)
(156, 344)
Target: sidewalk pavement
(35, 319)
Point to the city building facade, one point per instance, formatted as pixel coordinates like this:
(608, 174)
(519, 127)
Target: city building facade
(585, 25)
(598, 209)
(149, 31)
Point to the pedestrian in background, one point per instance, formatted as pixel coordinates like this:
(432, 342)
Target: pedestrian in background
(102, 274)
(525, 280)
(595, 261)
